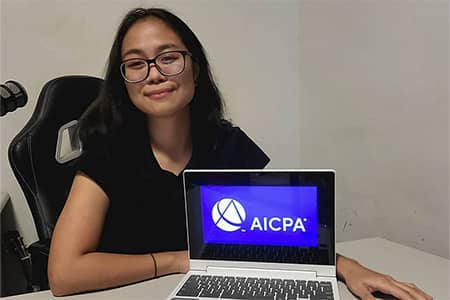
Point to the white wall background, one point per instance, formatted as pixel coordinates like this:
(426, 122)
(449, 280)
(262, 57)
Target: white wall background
(359, 86)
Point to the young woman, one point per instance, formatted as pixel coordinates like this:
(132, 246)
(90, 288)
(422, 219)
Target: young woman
(159, 112)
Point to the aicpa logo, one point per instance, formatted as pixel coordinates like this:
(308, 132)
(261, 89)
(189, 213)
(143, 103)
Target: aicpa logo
(229, 215)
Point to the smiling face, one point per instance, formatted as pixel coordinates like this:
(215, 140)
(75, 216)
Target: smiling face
(158, 96)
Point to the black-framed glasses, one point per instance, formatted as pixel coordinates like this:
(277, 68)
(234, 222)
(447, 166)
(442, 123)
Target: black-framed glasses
(169, 63)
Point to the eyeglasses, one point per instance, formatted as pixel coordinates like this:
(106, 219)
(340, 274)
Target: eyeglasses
(168, 63)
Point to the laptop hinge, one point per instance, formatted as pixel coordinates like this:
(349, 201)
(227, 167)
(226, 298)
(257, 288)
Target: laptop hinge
(255, 272)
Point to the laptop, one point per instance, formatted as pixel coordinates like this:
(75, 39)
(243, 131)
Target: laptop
(260, 234)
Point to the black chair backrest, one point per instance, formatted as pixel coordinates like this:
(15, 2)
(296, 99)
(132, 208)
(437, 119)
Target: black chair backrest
(45, 181)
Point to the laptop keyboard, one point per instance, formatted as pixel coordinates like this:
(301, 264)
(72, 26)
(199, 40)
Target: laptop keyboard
(255, 288)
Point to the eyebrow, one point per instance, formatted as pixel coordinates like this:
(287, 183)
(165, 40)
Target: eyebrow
(158, 49)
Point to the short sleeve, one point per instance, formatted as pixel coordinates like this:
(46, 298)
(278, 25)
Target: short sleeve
(95, 163)
(235, 149)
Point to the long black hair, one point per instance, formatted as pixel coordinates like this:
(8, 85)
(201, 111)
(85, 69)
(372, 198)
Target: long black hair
(113, 112)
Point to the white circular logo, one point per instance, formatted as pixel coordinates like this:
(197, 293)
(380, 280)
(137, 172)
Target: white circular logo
(228, 214)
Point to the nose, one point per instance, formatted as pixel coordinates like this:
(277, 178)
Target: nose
(154, 75)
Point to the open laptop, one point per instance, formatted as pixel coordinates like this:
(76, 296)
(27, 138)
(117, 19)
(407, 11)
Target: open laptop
(260, 234)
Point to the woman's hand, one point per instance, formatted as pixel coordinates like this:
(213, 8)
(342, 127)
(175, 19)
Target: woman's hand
(363, 282)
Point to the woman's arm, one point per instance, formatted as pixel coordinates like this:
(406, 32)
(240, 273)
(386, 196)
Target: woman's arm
(363, 282)
(75, 266)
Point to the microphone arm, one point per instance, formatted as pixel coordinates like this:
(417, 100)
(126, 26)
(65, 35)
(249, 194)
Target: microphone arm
(13, 95)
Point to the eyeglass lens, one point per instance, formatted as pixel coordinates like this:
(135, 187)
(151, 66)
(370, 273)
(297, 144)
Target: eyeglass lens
(168, 63)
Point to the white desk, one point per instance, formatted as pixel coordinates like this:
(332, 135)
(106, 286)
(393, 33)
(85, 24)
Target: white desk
(427, 271)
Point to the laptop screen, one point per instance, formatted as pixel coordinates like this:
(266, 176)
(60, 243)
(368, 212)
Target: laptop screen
(282, 216)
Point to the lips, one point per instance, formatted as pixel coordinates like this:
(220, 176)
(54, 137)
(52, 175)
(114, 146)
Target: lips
(159, 93)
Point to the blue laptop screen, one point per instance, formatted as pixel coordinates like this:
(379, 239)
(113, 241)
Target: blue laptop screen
(277, 216)
(260, 215)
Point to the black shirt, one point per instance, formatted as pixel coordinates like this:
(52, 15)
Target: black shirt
(146, 210)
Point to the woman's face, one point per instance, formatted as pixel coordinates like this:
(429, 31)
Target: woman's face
(158, 96)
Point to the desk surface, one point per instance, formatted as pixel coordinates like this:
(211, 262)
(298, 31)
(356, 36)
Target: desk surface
(430, 272)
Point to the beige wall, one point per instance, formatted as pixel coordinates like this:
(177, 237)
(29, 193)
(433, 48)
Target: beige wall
(359, 86)
(374, 104)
